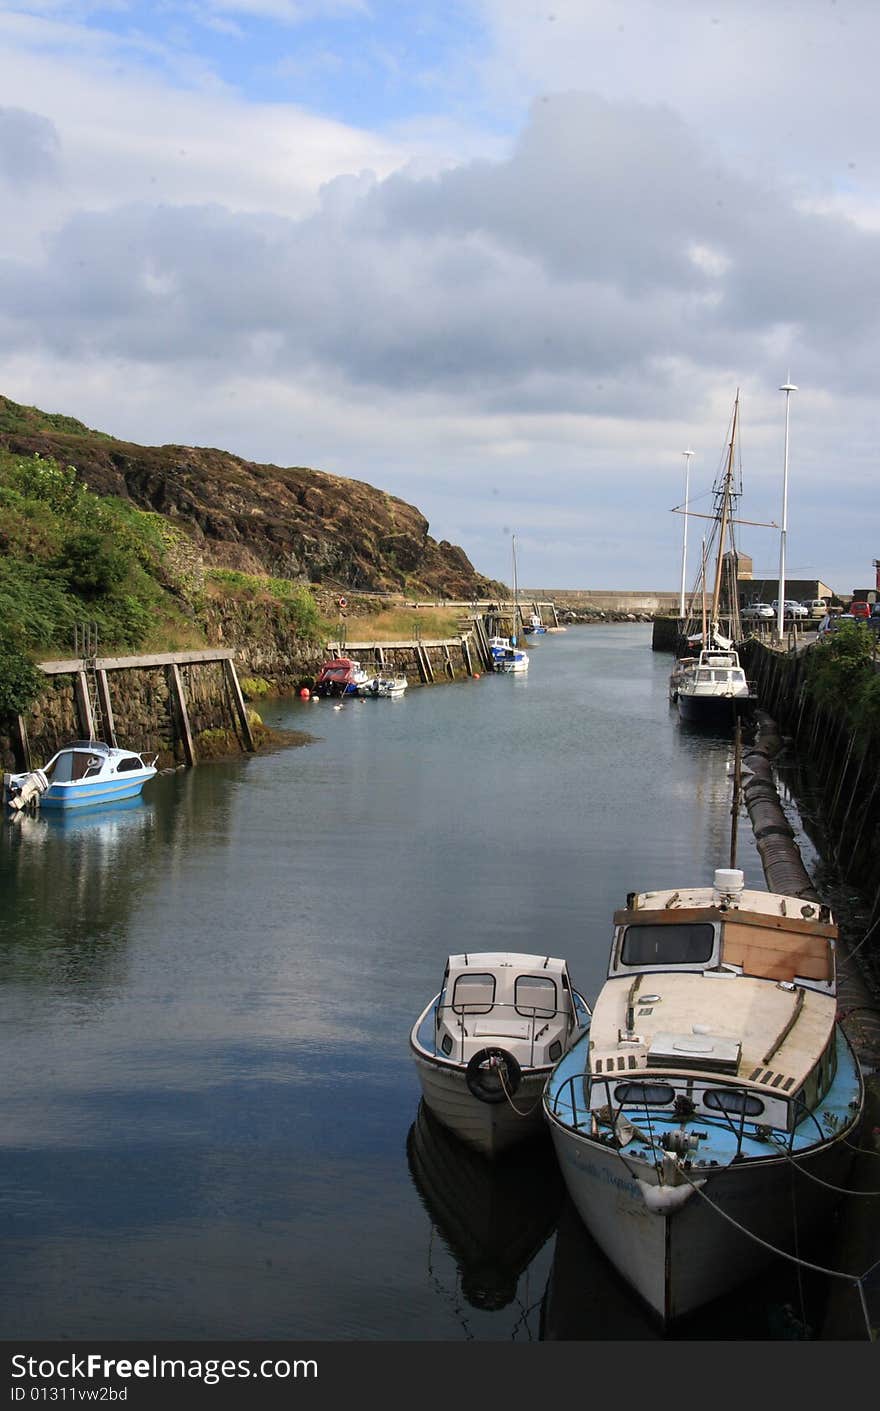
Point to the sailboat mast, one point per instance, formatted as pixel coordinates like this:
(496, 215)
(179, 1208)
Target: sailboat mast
(704, 639)
(725, 514)
(515, 593)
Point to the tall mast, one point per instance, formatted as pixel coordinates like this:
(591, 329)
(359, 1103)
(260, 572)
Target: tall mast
(515, 594)
(704, 641)
(684, 533)
(725, 513)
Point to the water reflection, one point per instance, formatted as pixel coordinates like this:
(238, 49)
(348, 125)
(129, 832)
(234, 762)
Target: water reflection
(493, 1216)
(73, 877)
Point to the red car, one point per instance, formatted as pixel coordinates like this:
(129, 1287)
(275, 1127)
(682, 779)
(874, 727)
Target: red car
(860, 610)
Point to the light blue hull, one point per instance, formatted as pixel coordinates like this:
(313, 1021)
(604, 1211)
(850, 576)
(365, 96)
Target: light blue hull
(85, 794)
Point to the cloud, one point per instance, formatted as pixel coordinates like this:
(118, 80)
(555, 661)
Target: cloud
(29, 148)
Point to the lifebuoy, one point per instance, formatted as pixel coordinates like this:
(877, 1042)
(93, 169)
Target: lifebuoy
(343, 602)
(484, 1079)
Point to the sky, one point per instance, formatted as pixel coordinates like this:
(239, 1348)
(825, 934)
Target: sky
(505, 259)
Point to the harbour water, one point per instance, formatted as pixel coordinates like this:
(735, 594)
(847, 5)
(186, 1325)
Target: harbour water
(209, 1118)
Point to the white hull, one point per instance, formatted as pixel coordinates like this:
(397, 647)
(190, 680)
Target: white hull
(490, 1128)
(678, 1261)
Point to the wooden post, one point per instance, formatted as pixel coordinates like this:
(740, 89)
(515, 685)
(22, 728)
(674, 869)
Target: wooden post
(106, 708)
(423, 675)
(450, 669)
(555, 617)
(238, 701)
(83, 706)
(466, 653)
(183, 719)
(24, 745)
(429, 670)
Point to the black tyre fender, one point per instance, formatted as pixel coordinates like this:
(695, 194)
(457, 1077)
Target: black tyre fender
(478, 1081)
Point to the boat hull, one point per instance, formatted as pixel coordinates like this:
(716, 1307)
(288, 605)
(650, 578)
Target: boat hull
(85, 795)
(714, 710)
(680, 1259)
(490, 1128)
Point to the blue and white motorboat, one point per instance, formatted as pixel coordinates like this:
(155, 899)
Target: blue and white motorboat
(486, 1044)
(392, 687)
(708, 1121)
(506, 656)
(534, 627)
(83, 774)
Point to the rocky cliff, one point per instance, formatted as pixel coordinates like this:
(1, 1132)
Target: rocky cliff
(288, 521)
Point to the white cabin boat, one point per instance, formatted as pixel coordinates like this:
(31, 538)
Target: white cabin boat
(486, 1044)
(85, 773)
(712, 689)
(708, 1121)
(390, 686)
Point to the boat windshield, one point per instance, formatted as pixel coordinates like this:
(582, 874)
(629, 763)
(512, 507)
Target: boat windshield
(71, 765)
(686, 943)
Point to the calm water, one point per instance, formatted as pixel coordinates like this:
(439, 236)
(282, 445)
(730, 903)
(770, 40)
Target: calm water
(209, 1117)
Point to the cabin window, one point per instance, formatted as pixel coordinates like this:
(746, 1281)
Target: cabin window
(473, 994)
(535, 996)
(126, 765)
(723, 1100)
(446, 1044)
(554, 1051)
(689, 943)
(63, 773)
(654, 1094)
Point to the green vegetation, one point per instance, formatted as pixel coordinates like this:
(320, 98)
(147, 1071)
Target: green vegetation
(299, 609)
(70, 557)
(842, 674)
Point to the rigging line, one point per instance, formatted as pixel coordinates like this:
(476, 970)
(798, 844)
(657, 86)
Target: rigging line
(782, 1253)
(843, 964)
(797, 1250)
(840, 1190)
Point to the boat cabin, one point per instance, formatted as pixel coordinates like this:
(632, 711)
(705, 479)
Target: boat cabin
(719, 671)
(87, 759)
(520, 1002)
(719, 997)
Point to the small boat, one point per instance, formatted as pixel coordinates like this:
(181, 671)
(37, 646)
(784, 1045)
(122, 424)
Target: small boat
(342, 676)
(85, 773)
(513, 659)
(707, 1122)
(713, 689)
(535, 626)
(392, 686)
(507, 657)
(486, 1044)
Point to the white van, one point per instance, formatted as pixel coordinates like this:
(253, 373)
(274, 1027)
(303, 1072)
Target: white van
(816, 607)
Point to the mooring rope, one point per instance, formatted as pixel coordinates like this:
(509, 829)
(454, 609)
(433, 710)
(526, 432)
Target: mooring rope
(856, 1280)
(510, 1100)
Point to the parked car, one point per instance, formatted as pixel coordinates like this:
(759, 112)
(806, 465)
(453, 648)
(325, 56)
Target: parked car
(860, 609)
(815, 607)
(791, 608)
(756, 612)
(833, 624)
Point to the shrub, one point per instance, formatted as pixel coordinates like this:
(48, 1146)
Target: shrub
(20, 681)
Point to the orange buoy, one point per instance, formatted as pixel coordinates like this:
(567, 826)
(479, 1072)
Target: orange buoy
(476, 675)
(305, 693)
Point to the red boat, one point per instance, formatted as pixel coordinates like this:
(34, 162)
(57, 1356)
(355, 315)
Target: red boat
(340, 677)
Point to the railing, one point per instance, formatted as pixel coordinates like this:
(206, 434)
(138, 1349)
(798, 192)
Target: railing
(531, 1013)
(563, 1103)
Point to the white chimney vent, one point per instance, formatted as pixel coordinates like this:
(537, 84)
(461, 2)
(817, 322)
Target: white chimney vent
(729, 882)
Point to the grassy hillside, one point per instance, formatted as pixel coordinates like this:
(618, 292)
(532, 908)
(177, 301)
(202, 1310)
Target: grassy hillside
(68, 557)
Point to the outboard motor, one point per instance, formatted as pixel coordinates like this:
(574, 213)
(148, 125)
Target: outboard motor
(31, 786)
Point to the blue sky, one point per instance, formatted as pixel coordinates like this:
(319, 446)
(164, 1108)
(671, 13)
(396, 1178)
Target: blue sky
(501, 258)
